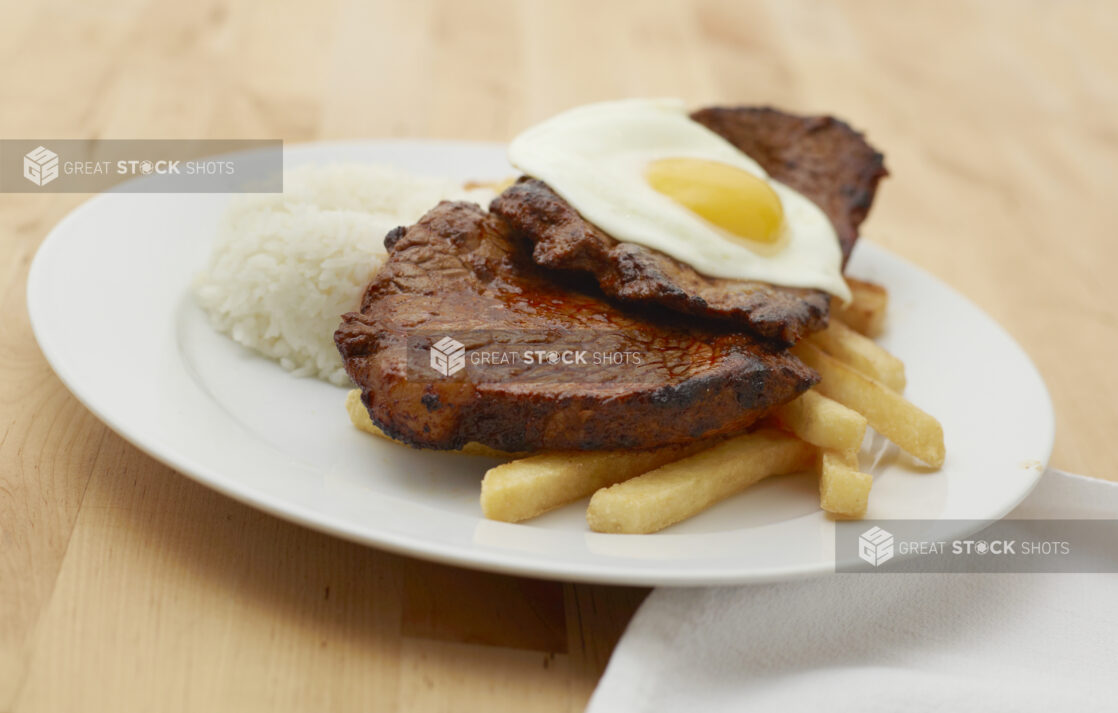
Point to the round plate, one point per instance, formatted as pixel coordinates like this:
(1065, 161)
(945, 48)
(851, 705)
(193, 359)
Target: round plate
(110, 302)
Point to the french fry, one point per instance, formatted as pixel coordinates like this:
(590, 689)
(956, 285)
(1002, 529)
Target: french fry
(676, 491)
(823, 422)
(843, 489)
(862, 353)
(866, 312)
(524, 488)
(887, 411)
(360, 418)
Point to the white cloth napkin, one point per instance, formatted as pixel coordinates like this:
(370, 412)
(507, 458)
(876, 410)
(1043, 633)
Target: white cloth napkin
(883, 642)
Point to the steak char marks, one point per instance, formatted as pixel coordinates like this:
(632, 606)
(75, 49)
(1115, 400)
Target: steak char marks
(460, 271)
(820, 157)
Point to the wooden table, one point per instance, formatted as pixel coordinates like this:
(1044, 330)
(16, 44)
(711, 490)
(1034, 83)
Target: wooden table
(126, 587)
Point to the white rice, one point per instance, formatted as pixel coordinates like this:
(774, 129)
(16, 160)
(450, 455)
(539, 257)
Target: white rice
(286, 266)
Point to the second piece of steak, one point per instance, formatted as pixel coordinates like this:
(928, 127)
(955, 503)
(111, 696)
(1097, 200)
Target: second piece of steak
(821, 157)
(461, 273)
(564, 240)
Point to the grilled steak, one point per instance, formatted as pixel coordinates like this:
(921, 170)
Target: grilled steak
(820, 157)
(630, 272)
(461, 272)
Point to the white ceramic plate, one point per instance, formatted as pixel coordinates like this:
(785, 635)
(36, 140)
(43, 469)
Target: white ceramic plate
(110, 304)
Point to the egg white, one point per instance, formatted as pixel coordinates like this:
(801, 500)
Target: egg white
(595, 157)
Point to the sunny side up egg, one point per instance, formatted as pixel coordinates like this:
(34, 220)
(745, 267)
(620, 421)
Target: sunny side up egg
(644, 172)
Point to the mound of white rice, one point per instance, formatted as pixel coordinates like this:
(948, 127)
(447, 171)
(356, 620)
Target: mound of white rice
(286, 266)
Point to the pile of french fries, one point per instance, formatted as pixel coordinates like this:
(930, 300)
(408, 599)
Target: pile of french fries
(637, 492)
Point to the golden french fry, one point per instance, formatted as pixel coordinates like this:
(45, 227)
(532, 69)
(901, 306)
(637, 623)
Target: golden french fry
(360, 418)
(823, 422)
(524, 488)
(888, 412)
(676, 491)
(848, 346)
(843, 489)
(866, 312)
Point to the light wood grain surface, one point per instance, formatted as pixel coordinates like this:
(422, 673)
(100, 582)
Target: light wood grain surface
(126, 587)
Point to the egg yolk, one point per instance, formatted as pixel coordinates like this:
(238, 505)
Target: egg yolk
(735, 200)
